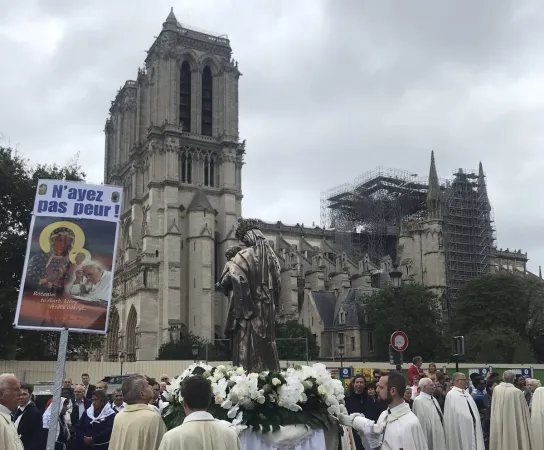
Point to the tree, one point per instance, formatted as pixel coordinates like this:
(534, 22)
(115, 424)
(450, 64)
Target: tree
(295, 350)
(18, 182)
(413, 309)
(510, 303)
(497, 344)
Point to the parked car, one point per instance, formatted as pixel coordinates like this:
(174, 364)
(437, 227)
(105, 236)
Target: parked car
(115, 381)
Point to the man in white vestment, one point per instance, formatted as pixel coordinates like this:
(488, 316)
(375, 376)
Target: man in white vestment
(430, 416)
(537, 418)
(462, 423)
(199, 430)
(510, 419)
(397, 427)
(10, 390)
(91, 282)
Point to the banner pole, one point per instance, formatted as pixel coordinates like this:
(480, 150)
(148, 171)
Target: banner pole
(59, 378)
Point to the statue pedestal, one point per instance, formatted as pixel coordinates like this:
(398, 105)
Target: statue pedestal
(297, 437)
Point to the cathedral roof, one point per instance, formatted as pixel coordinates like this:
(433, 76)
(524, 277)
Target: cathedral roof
(172, 17)
(325, 301)
(200, 203)
(434, 188)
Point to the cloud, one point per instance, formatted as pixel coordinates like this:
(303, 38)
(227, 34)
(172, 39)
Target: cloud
(329, 91)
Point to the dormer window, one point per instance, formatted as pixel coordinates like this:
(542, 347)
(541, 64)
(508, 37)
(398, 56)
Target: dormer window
(342, 318)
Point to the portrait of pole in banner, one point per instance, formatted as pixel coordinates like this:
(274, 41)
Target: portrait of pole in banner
(69, 266)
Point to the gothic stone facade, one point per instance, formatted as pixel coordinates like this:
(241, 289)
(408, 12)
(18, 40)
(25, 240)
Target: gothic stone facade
(172, 143)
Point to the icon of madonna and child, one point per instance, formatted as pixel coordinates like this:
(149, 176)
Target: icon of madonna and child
(69, 274)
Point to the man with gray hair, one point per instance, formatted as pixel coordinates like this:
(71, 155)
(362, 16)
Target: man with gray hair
(428, 411)
(91, 282)
(462, 425)
(510, 418)
(10, 390)
(138, 426)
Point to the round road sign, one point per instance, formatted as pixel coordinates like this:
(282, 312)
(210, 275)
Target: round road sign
(399, 341)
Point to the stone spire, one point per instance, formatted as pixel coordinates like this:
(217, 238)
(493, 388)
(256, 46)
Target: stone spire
(434, 197)
(482, 188)
(171, 22)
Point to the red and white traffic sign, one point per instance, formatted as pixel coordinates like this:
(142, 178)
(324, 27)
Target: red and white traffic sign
(399, 341)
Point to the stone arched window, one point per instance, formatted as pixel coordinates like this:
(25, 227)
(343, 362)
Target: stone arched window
(185, 97)
(207, 101)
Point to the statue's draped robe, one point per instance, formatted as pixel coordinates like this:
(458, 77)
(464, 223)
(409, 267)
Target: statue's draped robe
(537, 418)
(463, 427)
(428, 411)
(510, 420)
(254, 275)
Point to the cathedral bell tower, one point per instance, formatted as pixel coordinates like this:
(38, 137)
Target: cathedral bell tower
(172, 141)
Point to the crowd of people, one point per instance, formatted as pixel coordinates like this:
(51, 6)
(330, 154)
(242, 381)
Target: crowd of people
(452, 413)
(430, 412)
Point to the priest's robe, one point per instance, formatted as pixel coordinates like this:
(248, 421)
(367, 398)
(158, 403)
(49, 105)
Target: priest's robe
(137, 427)
(201, 431)
(397, 428)
(462, 424)
(428, 411)
(537, 418)
(9, 439)
(510, 420)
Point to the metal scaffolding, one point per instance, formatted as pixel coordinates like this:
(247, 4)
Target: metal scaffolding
(368, 213)
(468, 231)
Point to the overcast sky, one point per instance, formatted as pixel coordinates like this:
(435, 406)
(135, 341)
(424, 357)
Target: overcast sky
(330, 90)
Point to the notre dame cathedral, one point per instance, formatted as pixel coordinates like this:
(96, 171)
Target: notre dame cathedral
(172, 142)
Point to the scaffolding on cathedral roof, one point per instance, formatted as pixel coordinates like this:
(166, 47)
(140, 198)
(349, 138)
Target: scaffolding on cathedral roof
(368, 213)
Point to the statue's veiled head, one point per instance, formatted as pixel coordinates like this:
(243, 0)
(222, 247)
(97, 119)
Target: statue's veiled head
(247, 231)
(232, 251)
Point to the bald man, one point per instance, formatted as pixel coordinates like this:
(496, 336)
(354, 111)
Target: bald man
(10, 391)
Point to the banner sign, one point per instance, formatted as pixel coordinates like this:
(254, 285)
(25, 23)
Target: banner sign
(68, 272)
(481, 371)
(527, 372)
(345, 372)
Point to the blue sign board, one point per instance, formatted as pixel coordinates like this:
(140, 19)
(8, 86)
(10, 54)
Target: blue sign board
(527, 372)
(345, 373)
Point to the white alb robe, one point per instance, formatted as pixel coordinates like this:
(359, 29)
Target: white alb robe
(510, 420)
(9, 439)
(397, 428)
(463, 429)
(428, 411)
(200, 431)
(537, 418)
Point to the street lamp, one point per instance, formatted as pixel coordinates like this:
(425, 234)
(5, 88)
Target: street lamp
(122, 357)
(194, 350)
(341, 353)
(396, 282)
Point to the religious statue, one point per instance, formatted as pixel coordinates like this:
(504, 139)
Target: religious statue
(251, 279)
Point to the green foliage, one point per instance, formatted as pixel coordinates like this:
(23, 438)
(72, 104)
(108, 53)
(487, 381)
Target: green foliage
(295, 350)
(183, 349)
(18, 182)
(413, 309)
(507, 312)
(497, 344)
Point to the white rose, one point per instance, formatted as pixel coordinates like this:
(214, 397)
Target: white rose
(275, 381)
(253, 376)
(221, 368)
(240, 371)
(219, 399)
(321, 390)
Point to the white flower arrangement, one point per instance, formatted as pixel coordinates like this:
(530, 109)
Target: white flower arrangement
(265, 400)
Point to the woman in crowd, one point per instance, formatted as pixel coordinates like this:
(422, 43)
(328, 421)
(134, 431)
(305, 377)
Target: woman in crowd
(63, 432)
(431, 373)
(356, 399)
(96, 424)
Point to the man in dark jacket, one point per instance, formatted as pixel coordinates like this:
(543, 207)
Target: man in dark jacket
(28, 419)
(89, 388)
